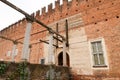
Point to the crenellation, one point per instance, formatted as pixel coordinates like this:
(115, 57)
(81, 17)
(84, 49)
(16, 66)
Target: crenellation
(57, 4)
(65, 3)
(20, 22)
(69, 5)
(50, 8)
(15, 24)
(6, 30)
(37, 13)
(74, 5)
(43, 11)
(33, 14)
(12, 28)
(9, 27)
(66, 8)
(3, 31)
(24, 21)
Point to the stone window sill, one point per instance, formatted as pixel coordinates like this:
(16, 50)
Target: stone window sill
(99, 66)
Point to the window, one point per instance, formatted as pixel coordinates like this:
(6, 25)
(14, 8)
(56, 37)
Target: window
(8, 53)
(42, 61)
(98, 53)
(16, 52)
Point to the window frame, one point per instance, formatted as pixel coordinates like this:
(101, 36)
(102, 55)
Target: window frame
(42, 63)
(104, 53)
(97, 53)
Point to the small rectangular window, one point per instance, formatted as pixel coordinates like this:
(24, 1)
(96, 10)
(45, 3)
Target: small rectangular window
(98, 53)
(42, 61)
(8, 53)
(16, 52)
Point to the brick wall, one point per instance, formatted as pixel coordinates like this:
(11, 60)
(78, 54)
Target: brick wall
(87, 20)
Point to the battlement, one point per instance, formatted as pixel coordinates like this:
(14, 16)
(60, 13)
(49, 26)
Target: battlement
(67, 9)
(43, 12)
(12, 26)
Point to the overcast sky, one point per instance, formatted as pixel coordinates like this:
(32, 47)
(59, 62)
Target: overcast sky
(9, 16)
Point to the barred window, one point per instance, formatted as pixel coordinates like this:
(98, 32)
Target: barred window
(98, 53)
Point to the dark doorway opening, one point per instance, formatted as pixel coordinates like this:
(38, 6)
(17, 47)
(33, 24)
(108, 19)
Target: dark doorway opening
(60, 59)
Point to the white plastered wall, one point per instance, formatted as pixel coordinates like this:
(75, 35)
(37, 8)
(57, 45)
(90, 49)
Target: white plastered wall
(79, 52)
